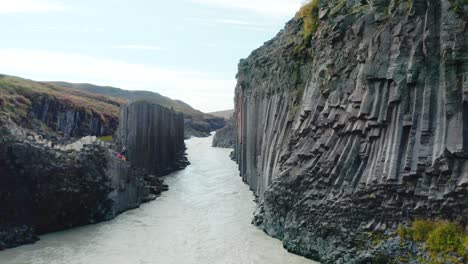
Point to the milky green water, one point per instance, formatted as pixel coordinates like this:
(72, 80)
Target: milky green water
(204, 218)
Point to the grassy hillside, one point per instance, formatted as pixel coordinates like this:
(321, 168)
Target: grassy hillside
(133, 95)
(226, 114)
(17, 96)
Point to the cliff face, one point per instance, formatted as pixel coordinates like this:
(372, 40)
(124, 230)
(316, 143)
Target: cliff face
(197, 124)
(361, 129)
(70, 121)
(153, 136)
(226, 136)
(43, 189)
(54, 111)
(45, 186)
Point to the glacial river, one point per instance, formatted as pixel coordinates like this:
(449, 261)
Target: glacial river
(204, 218)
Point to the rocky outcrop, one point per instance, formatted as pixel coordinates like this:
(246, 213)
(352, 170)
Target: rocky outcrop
(71, 121)
(197, 124)
(226, 136)
(45, 186)
(203, 127)
(358, 130)
(45, 190)
(153, 136)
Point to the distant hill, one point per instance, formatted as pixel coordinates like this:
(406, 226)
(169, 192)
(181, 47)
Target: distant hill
(133, 95)
(197, 123)
(49, 108)
(226, 114)
(75, 110)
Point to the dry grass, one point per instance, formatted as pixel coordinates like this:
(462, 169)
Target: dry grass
(17, 95)
(309, 13)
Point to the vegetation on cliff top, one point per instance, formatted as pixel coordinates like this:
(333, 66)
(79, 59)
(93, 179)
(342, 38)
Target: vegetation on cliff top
(125, 95)
(17, 96)
(309, 13)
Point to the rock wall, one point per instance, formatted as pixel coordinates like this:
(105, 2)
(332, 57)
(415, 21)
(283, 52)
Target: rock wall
(226, 136)
(45, 187)
(71, 121)
(358, 130)
(44, 190)
(153, 136)
(202, 127)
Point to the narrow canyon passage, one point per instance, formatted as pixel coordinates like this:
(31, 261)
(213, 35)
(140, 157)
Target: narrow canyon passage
(203, 218)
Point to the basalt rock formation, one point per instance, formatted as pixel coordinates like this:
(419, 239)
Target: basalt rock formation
(49, 110)
(45, 186)
(70, 121)
(358, 128)
(153, 136)
(226, 136)
(197, 124)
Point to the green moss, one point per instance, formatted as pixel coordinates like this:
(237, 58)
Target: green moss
(458, 5)
(358, 9)
(309, 14)
(337, 8)
(377, 238)
(106, 138)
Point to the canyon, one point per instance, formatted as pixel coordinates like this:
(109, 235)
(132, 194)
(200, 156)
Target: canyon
(350, 130)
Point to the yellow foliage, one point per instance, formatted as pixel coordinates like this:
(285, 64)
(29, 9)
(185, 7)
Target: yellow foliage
(106, 138)
(309, 13)
(420, 230)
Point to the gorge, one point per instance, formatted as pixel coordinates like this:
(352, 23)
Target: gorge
(203, 218)
(349, 130)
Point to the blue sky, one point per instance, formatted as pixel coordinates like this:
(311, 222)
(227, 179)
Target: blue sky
(184, 49)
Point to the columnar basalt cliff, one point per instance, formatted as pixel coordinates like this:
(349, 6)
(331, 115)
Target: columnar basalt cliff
(55, 111)
(71, 121)
(46, 187)
(358, 128)
(226, 136)
(153, 136)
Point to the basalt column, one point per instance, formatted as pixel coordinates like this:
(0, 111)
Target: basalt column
(153, 136)
(348, 130)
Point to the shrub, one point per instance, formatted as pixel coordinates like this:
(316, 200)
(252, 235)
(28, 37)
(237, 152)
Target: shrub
(420, 230)
(446, 237)
(403, 232)
(309, 13)
(444, 240)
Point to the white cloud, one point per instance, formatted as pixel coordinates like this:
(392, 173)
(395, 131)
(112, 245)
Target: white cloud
(235, 23)
(215, 21)
(232, 22)
(138, 47)
(31, 6)
(271, 8)
(198, 89)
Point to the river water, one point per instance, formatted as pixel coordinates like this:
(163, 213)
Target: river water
(204, 218)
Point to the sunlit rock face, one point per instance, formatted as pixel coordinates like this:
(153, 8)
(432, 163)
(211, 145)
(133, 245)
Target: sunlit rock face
(365, 129)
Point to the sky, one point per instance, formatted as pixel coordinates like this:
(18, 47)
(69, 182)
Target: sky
(183, 49)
